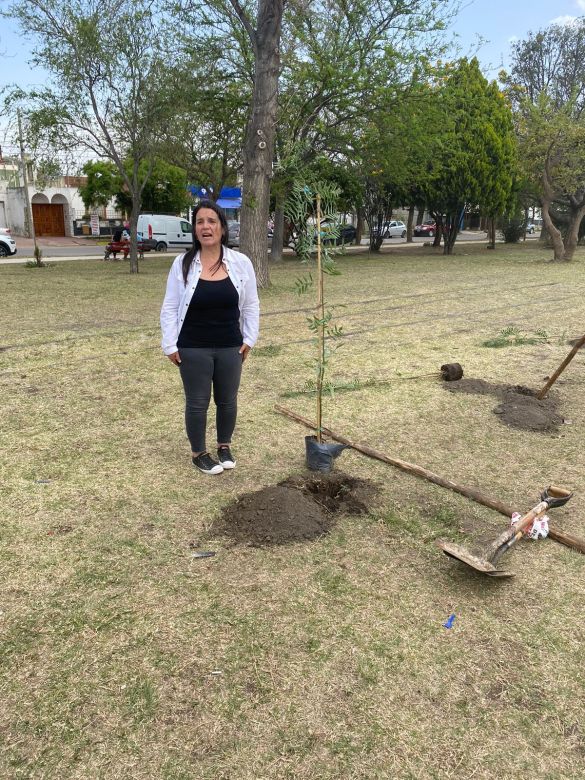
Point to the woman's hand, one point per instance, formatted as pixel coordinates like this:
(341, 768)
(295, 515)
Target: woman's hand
(175, 358)
(244, 349)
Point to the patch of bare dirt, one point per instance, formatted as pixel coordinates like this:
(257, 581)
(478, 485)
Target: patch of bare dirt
(297, 509)
(518, 407)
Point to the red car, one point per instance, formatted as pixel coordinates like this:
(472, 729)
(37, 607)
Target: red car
(427, 228)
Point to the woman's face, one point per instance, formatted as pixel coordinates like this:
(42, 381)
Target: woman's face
(208, 228)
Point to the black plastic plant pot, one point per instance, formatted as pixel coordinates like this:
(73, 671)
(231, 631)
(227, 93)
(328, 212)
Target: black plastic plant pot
(320, 456)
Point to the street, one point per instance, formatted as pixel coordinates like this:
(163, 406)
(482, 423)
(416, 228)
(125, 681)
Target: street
(57, 249)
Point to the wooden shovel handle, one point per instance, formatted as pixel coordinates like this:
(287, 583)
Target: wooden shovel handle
(561, 368)
(498, 546)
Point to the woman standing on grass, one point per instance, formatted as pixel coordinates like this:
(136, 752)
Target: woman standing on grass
(209, 322)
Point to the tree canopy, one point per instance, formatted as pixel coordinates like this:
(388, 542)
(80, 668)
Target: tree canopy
(472, 153)
(103, 181)
(165, 191)
(547, 86)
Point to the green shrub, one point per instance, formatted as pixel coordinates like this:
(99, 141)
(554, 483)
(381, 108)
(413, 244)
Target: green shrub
(512, 229)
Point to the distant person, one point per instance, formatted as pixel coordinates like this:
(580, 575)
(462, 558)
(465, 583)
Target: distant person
(117, 235)
(209, 320)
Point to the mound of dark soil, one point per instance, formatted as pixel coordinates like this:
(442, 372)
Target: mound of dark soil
(528, 413)
(297, 509)
(519, 406)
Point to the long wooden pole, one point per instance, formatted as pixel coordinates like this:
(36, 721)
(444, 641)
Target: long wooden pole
(561, 368)
(419, 471)
(321, 316)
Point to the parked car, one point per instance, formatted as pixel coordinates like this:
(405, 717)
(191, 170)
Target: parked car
(234, 232)
(393, 229)
(345, 233)
(7, 245)
(4, 231)
(428, 228)
(530, 228)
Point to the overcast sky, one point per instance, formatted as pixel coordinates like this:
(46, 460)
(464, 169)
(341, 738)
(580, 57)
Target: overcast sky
(498, 22)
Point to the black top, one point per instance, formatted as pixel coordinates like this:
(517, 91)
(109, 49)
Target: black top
(213, 316)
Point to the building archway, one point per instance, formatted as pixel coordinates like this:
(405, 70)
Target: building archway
(48, 218)
(60, 200)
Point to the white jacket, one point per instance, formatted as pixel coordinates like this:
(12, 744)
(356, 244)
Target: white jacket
(178, 296)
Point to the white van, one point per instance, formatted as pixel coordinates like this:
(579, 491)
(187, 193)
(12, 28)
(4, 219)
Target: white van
(164, 232)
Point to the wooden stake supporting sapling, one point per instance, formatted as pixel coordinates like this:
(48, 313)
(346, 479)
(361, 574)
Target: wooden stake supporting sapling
(321, 317)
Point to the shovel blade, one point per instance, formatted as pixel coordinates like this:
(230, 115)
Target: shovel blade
(500, 573)
(475, 562)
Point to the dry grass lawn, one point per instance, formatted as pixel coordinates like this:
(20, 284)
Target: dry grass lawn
(124, 658)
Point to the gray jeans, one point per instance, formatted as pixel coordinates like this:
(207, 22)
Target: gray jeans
(201, 369)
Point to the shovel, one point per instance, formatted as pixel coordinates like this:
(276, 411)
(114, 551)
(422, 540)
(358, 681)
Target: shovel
(486, 563)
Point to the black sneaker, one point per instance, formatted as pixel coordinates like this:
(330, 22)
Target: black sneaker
(206, 464)
(225, 457)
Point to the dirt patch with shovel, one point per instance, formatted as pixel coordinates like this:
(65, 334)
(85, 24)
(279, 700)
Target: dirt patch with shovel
(519, 407)
(296, 510)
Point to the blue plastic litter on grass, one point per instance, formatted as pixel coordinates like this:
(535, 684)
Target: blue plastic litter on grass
(449, 622)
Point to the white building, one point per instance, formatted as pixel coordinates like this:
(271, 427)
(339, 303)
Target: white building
(57, 208)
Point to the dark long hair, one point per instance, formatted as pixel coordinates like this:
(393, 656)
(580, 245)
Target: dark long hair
(189, 256)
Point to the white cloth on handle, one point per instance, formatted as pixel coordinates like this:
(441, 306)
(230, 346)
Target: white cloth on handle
(538, 529)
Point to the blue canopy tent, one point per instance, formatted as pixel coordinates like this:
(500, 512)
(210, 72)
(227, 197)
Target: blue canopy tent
(230, 198)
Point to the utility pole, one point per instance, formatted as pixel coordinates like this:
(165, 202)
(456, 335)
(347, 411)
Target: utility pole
(29, 216)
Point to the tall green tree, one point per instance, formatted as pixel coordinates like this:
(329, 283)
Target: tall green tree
(206, 136)
(473, 155)
(344, 63)
(165, 191)
(547, 86)
(103, 182)
(393, 152)
(334, 59)
(111, 88)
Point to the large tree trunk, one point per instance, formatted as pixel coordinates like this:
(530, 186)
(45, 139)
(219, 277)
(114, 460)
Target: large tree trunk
(553, 232)
(491, 226)
(421, 215)
(409, 225)
(439, 229)
(260, 134)
(278, 234)
(134, 214)
(359, 228)
(450, 230)
(136, 194)
(572, 237)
